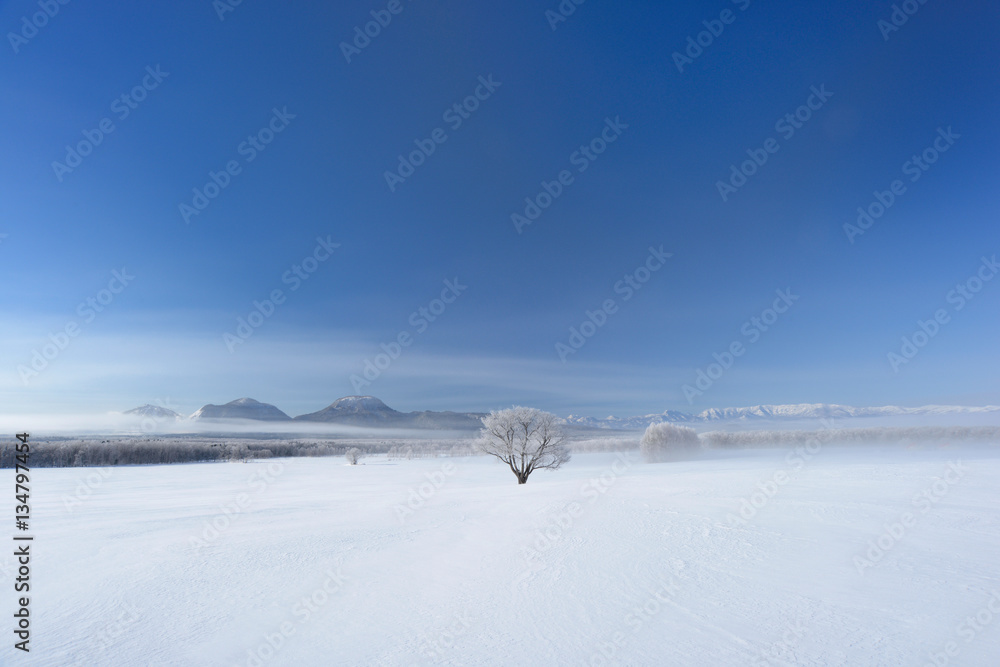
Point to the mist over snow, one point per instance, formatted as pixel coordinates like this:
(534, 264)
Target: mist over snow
(369, 414)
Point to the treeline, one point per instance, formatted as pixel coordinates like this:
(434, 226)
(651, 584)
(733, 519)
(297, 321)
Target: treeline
(851, 436)
(419, 449)
(117, 451)
(71, 453)
(609, 444)
(424, 449)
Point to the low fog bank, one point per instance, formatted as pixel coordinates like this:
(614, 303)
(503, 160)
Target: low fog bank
(114, 450)
(623, 443)
(117, 425)
(876, 435)
(667, 442)
(935, 420)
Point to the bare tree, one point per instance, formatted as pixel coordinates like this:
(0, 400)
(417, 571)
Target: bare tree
(525, 439)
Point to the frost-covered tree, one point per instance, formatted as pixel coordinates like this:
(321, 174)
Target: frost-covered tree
(353, 455)
(668, 442)
(239, 453)
(525, 439)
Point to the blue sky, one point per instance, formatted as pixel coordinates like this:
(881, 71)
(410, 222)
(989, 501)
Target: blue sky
(162, 336)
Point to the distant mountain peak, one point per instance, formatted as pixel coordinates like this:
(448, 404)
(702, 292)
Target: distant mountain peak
(359, 403)
(154, 411)
(242, 408)
(245, 401)
(368, 411)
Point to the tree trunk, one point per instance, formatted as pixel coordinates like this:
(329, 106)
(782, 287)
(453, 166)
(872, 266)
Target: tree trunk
(522, 479)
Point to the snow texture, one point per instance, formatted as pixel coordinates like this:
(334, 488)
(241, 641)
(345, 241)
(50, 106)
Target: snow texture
(740, 558)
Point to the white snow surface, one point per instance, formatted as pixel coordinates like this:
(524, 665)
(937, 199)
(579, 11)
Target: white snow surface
(643, 564)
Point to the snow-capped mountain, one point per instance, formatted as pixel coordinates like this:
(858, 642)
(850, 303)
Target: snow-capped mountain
(800, 411)
(631, 423)
(370, 411)
(154, 412)
(241, 408)
(820, 410)
(356, 410)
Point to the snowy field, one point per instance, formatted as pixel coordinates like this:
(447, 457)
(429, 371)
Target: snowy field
(838, 557)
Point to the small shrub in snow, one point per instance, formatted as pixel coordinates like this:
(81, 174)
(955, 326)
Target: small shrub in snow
(668, 442)
(353, 455)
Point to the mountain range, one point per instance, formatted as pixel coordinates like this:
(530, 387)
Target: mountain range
(368, 411)
(801, 411)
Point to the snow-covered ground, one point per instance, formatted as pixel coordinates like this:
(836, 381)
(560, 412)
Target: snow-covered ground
(753, 558)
